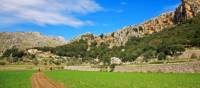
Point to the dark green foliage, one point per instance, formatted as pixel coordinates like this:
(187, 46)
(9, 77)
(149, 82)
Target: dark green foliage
(102, 35)
(45, 49)
(113, 34)
(14, 52)
(149, 54)
(75, 49)
(112, 67)
(133, 41)
(161, 56)
(140, 28)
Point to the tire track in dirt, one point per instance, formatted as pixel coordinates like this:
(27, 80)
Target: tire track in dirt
(40, 81)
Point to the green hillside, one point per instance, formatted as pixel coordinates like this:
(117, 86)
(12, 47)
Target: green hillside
(170, 42)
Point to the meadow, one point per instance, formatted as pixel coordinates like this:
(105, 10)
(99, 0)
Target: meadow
(15, 79)
(76, 79)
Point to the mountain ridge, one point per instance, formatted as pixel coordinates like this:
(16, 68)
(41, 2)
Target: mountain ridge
(186, 10)
(24, 40)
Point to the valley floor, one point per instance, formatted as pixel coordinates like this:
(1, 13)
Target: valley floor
(78, 79)
(15, 79)
(81, 79)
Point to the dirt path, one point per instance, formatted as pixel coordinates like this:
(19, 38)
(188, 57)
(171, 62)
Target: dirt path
(40, 81)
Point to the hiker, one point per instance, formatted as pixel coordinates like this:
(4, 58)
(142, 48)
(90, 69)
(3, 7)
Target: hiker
(39, 70)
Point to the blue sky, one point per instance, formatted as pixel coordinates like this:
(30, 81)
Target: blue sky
(70, 18)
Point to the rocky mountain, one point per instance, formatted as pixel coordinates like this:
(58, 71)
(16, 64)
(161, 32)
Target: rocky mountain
(23, 40)
(186, 10)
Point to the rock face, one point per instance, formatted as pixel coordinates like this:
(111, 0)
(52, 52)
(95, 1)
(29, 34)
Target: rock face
(23, 40)
(186, 10)
(115, 60)
(154, 25)
(41, 54)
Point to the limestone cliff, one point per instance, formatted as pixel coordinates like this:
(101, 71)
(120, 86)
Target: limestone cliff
(186, 10)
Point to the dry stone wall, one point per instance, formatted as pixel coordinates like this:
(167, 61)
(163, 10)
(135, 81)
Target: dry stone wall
(81, 68)
(189, 67)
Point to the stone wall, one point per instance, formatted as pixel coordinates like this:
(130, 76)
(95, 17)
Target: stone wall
(189, 67)
(81, 68)
(190, 54)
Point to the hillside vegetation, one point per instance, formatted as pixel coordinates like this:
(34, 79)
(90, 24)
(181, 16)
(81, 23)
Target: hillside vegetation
(170, 42)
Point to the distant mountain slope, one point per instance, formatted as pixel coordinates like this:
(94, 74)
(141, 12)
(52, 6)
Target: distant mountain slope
(25, 40)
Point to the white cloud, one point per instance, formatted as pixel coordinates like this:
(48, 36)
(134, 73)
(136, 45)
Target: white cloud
(42, 12)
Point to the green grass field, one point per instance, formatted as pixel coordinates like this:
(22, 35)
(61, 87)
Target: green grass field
(15, 79)
(75, 79)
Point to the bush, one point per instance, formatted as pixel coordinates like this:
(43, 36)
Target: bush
(57, 62)
(14, 52)
(112, 67)
(161, 56)
(2, 63)
(193, 56)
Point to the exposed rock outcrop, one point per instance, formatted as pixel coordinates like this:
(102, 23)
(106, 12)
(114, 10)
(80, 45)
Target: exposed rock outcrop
(186, 10)
(154, 25)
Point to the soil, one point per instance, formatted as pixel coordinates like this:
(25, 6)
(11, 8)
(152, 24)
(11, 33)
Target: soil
(40, 81)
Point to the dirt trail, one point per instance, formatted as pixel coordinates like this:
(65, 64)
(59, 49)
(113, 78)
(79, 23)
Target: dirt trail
(40, 81)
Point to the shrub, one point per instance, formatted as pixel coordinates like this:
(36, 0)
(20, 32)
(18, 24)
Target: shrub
(2, 63)
(193, 56)
(14, 52)
(161, 56)
(112, 67)
(101, 36)
(57, 62)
